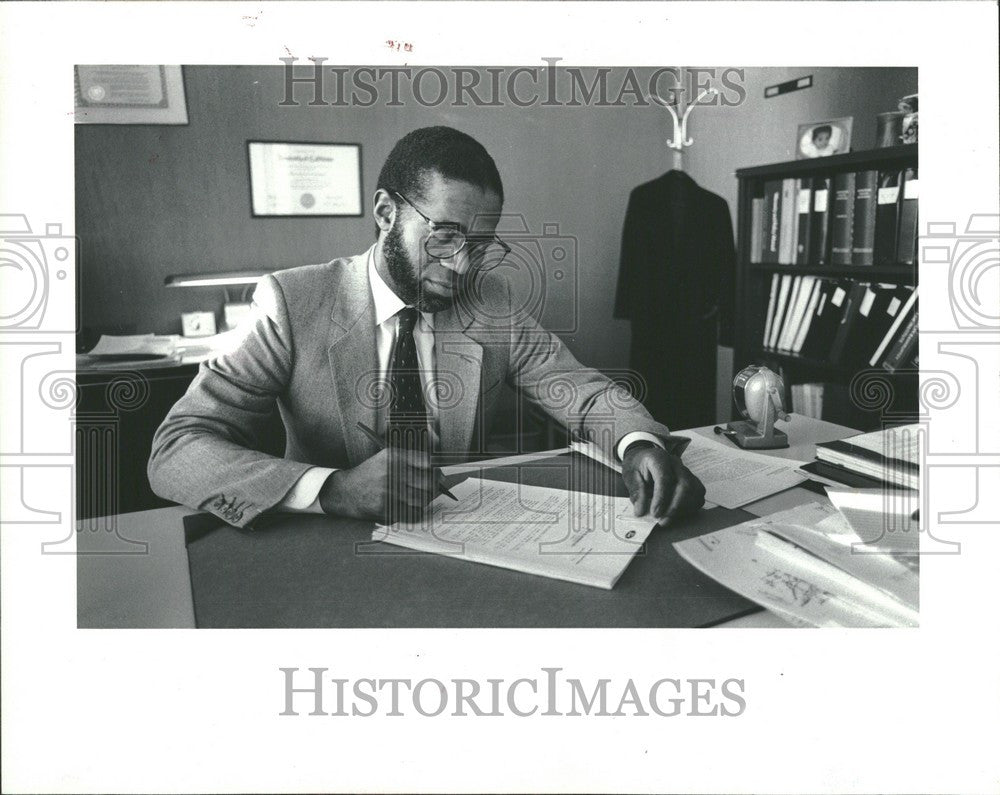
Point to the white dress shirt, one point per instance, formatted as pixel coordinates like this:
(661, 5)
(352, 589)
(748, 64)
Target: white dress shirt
(304, 495)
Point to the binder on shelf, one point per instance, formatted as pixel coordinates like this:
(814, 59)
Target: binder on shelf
(906, 246)
(804, 204)
(863, 236)
(887, 216)
(793, 298)
(772, 221)
(852, 304)
(876, 311)
(789, 223)
(826, 319)
(842, 218)
(797, 315)
(819, 222)
(756, 233)
(904, 347)
(893, 331)
(803, 331)
(779, 311)
(771, 302)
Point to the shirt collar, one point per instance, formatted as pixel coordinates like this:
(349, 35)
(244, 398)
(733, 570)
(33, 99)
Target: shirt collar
(387, 303)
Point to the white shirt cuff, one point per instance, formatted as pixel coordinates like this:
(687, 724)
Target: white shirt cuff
(303, 497)
(637, 436)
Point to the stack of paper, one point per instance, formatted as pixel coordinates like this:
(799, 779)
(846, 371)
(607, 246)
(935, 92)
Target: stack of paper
(891, 455)
(583, 538)
(811, 567)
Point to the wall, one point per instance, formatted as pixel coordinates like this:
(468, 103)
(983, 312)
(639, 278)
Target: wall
(152, 201)
(157, 200)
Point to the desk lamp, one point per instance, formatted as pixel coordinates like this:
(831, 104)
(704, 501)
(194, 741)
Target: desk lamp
(233, 311)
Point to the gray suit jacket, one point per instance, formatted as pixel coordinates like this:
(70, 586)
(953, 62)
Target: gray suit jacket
(312, 351)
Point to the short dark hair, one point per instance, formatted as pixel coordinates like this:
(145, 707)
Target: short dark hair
(449, 152)
(823, 128)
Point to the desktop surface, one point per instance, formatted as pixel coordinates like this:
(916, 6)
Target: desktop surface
(320, 571)
(329, 575)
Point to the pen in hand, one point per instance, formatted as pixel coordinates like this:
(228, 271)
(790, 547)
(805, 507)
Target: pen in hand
(381, 444)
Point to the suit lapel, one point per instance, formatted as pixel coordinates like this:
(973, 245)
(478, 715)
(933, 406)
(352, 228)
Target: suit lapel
(353, 358)
(459, 364)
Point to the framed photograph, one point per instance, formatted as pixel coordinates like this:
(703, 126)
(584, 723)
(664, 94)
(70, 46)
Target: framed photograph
(304, 179)
(125, 94)
(824, 138)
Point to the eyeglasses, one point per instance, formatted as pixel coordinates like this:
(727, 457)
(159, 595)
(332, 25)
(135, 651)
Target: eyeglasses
(447, 239)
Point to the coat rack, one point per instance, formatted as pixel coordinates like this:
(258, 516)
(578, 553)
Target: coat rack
(681, 140)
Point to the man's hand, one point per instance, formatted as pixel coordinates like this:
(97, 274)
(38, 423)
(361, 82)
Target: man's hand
(392, 477)
(659, 484)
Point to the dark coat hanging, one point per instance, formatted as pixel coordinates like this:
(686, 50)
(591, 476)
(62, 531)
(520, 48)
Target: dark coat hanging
(676, 284)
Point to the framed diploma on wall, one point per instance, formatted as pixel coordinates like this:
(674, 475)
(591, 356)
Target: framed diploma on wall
(129, 94)
(304, 179)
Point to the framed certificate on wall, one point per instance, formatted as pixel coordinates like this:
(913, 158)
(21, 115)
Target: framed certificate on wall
(304, 179)
(129, 94)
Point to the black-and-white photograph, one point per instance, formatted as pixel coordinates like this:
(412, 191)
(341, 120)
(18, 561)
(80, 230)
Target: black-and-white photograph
(535, 382)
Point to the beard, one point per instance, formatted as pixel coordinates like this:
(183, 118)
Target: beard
(403, 272)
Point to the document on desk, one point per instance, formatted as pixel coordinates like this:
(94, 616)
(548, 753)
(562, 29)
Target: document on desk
(566, 535)
(135, 345)
(812, 580)
(735, 477)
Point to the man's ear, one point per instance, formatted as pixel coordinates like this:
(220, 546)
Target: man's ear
(384, 210)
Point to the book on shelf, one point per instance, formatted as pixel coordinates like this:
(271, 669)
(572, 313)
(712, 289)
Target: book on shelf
(756, 231)
(803, 203)
(895, 328)
(906, 245)
(842, 218)
(807, 400)
(771, 221)
(863, 236)
(819, 221)
(890, 456)
(887, 216)
(789, 223)
(771, 301)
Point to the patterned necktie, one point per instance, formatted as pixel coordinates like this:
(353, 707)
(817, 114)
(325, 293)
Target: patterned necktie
(407, 412)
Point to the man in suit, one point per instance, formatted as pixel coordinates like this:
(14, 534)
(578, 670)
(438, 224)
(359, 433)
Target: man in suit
(417, 333)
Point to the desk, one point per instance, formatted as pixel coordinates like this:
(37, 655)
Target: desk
(154, 589)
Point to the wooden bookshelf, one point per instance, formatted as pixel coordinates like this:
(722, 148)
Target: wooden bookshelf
(753, 282)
